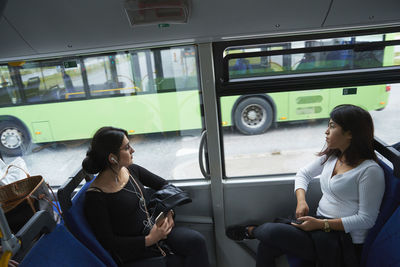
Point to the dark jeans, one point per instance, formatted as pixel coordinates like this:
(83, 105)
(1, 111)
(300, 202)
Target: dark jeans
(189, 247)
(277, 239)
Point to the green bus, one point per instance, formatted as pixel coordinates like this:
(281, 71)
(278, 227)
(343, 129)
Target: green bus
(157, 90)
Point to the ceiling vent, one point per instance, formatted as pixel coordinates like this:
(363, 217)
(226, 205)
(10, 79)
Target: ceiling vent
(150, 12)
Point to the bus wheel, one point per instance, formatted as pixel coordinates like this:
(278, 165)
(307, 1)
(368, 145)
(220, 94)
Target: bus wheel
(14, 139)
(253, 115)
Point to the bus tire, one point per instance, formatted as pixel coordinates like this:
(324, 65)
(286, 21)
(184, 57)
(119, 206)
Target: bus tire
(253, 115)
(14, 139)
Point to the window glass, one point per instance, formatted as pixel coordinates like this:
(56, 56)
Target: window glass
(32, 78)
(72, 81)
(126, 83)
(144, 71)
(281, 132)
(8, 90)
(177, 70)
(44, 81)
(164, 125)
(278, 133)
(332, 60)
(101, 75)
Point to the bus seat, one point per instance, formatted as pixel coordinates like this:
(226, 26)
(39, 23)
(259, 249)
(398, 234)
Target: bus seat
(384, 251)
(5, 98)
(390, 201)
(32, 87)
(75, 220)
(396, 146)
(60, 248)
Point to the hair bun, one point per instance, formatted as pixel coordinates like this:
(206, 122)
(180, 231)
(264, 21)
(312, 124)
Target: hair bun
(90, 166)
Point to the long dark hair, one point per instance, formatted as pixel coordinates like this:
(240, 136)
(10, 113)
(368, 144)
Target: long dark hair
(359, 122)
(105, 141)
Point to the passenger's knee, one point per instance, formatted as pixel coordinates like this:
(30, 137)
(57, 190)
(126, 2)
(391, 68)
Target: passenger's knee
(197, 240)
(268, 232)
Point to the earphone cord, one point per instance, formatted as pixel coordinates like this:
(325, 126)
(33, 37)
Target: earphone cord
(147, 212)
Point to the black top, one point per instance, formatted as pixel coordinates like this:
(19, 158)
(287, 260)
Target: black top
(117, 220)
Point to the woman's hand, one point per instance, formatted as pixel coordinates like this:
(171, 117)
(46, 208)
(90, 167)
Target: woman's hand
(301, 209)
(170, 217)
(309, 223)
(159, 232)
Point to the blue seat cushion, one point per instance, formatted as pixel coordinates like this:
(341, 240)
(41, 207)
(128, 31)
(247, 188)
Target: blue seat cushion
(76, 222)
(390, 201)
(60, 248)
(384, 251)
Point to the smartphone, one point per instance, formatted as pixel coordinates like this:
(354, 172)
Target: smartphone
(160, 218)
(297, 221)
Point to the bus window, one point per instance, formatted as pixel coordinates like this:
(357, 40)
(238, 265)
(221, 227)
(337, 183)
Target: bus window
(293, 144)
(72, 81)
(256, 66)
(125, 79)
(177, 72)
(8, 93)
(285, 129)
(164, 122)
(44, 81)
(333, 59)
(144, 71)
(31, 75)
(102, 77)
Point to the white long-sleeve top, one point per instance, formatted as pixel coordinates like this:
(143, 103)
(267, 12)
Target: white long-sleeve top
(354, 196)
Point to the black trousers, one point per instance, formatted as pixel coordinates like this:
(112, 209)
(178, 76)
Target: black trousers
(189, 247)
(277, 239)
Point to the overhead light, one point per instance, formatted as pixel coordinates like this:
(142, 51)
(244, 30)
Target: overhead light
(156, 12)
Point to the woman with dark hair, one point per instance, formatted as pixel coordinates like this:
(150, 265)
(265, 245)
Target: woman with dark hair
(352, 185)
(116, 208)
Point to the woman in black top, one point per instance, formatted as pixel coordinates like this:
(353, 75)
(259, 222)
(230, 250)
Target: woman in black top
(116, 207)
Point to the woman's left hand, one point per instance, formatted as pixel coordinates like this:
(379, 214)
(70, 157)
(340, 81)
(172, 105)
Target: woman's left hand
(171, 219)
(309, 223)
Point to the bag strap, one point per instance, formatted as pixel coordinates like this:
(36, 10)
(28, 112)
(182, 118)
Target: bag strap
(146, 211)
(50, 201)
(11, 165)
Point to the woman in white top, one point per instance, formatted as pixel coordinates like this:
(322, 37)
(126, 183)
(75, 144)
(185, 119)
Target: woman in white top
(352, 185)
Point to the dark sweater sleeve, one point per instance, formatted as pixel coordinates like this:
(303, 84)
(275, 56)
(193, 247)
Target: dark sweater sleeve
(147, 178)
(98, 218)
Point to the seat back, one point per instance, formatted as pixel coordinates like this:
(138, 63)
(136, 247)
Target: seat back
(390, 202)
(76, 222)
(60, 248)
(384, 251)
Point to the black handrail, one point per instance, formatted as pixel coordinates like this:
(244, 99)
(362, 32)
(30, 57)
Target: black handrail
(390, 153)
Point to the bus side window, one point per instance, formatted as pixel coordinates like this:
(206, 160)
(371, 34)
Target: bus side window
(243, 66)
(307, 62)
(5, 98)
(32, 89)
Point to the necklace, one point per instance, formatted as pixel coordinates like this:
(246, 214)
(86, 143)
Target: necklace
(149, 224)
(116, 181)
(139, 195)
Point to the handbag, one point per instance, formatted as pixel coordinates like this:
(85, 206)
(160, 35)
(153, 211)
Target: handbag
(167, 198)
(21, 199)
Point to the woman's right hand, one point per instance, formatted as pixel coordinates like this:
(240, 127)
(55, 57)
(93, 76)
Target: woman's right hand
(301, 209)
(159, 232)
